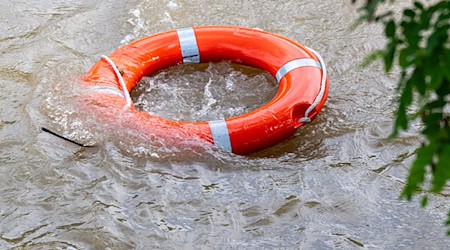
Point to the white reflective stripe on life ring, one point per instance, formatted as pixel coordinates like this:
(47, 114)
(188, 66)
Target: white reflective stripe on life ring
(188, 44)
(297, 63)
(220, 134)
(106, 90)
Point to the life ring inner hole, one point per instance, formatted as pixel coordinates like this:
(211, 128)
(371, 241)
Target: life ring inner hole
(204, 92)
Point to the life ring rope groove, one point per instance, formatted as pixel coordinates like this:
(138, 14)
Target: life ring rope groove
(299, 71)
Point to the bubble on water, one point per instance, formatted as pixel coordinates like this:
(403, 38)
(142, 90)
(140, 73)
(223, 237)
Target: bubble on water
(172, 5)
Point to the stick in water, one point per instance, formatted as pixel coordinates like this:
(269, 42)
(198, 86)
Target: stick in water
(64, 138)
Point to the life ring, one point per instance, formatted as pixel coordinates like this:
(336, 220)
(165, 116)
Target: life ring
(300, 72)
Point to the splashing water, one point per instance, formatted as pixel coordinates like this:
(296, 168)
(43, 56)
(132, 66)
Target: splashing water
(204, 92)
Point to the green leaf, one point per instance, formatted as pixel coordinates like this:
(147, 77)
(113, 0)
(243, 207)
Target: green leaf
(448, 221)
(425, 19)
(418, 5)
(370, 7)
(437, 78)
(409, 13)
(418, 80)
(442, 21)
(424, 201)
(406, 57)
(446, 63)
(401, 122)
(444, 89)
(417, 173)
(435, 104)
(390, 54)
(412, 32)
(436, 40)
(372, 57)
(390, 29)
(407, 95)
(442, 170)
(432, 126)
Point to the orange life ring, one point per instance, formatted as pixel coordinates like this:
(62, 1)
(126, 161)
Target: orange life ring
(300, 72)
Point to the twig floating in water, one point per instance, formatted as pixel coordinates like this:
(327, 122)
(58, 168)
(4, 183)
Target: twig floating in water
(64, 138)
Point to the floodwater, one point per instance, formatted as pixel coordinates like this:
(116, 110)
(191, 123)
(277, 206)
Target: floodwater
(334, 185)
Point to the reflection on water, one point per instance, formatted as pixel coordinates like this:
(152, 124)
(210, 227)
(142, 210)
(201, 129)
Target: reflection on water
(335, 184)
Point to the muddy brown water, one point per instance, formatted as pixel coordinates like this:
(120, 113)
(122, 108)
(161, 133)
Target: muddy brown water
(334, 185)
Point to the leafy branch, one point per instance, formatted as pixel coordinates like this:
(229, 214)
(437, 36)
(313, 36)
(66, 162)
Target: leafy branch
(418, 44)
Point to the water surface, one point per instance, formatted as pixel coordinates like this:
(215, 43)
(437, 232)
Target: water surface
(335, 184)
